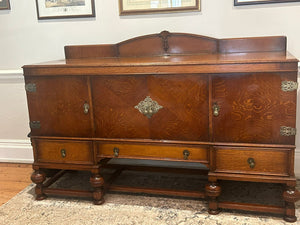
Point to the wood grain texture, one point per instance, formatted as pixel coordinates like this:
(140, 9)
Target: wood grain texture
(253, 108)
(114, 99)
(76, 152)
(58, 105)
(158, 152)
(266, 161)
(184, 115)
(13, 179)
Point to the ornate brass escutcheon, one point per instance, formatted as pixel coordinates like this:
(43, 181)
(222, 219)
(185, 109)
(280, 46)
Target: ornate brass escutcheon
(63, 153)
(289, 85)
(216, 109)
(251, 162)
(186, 154)
(116, 151)
(35, 124)
(287, 131)
(148, 107)
(30, 87)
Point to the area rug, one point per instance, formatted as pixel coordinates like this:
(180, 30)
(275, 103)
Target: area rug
(138, 209)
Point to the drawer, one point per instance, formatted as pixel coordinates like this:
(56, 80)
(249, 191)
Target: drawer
(71, 152)
(252, 161)
(155, 152)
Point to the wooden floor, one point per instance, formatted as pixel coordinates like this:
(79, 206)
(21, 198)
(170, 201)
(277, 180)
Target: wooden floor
(13, 179)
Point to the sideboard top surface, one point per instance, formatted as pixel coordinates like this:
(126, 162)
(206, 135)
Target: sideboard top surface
(156, 52)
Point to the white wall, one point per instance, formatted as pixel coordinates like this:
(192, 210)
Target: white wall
(25, 40)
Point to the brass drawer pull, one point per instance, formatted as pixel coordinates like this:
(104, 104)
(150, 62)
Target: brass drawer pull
(216, 109)
(186, 154)
(63, 153)
(116, 151)
(251, 162)
(86, 108)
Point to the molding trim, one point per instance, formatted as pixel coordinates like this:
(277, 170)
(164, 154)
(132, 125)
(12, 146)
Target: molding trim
(16, 151)
(11, 76)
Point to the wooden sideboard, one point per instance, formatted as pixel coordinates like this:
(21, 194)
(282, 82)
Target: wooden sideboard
(228, 104)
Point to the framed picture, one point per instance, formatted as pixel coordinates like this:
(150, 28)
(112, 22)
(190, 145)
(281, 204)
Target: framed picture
(53, 9)
(128, 7)
(4, 4)
(254, 2)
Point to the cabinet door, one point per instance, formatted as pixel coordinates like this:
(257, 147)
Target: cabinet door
(182, 103)
(253, 108)
(56, 106)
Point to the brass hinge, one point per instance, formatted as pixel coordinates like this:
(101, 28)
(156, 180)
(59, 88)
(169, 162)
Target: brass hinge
(287, 131)
(35, 124)
(30, 87)
(289, 85)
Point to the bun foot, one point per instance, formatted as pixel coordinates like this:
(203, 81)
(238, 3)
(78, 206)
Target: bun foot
(99, 202)
(290, 219)
(214, 211)
(40, 197)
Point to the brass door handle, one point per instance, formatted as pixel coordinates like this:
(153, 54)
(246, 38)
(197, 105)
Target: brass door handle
(86, 108)
(216, 109)
(186, 154)
(251, 162)
(63, 153)
(116, 151)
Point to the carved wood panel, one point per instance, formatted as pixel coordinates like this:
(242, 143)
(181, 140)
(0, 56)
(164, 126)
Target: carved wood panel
(57, 104)
(114, 99)
(183, 114)
(253, 108)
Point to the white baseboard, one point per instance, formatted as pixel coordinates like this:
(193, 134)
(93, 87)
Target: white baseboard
(16, 151)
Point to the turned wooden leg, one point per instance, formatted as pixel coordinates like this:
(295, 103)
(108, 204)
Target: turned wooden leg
(38, 177)
(290, 196)
(212, 191)
(97, 183)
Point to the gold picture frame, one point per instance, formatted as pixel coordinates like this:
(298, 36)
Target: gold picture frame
(129, 7)
(4, 4)
(56, 9)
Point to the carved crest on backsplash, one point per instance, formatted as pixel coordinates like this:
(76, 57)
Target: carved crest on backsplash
(164, 36)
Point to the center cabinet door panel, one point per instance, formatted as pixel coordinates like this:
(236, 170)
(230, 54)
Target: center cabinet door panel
(58, 104)
(183, 116)
(114, 98)
(252, 108)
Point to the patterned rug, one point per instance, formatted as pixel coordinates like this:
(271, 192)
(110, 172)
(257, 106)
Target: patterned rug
(139, 209)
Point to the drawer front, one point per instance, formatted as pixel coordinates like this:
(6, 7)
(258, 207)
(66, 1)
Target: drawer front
(156, 152)
(252, 161)
(71, 152)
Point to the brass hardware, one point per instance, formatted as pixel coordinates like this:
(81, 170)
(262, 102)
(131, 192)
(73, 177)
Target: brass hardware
(287, 131)
(35, 124)
(216, 109)
(86, 108)
(251, 162)
(148, 107)
(116, 151)
(63, 153)
(186, 154)
(30, 87)
(289, 85)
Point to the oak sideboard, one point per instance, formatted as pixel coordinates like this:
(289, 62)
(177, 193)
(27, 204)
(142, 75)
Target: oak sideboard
(227, 104)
